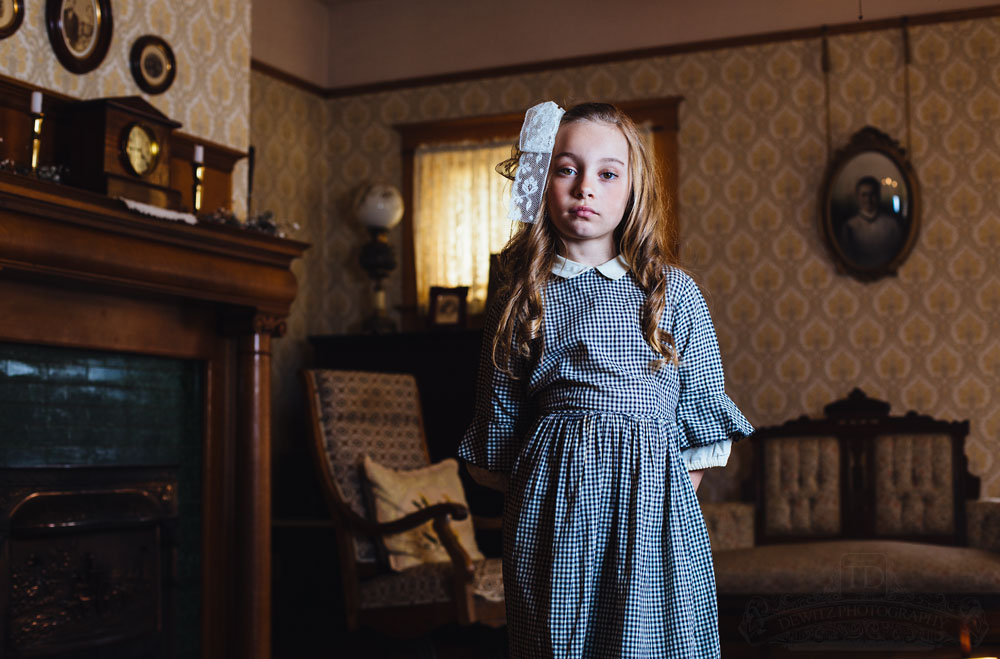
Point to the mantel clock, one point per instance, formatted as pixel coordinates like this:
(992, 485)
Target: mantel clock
(120, 147)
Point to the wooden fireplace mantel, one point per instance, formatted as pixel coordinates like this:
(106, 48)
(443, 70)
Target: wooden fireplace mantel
(79, 270)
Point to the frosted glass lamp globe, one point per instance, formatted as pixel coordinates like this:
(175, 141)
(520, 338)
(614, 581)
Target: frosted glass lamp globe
(379, 206)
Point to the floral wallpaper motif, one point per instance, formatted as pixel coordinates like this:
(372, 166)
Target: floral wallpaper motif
(211, 42)
(794, 334)
(290, 180)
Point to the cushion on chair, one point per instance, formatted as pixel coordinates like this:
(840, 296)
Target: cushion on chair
(429, 583)
(397, 493)
(829, 567)
(914, 488)
(376, 414)
(802, 486)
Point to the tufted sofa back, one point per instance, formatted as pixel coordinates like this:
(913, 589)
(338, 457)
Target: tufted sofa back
(860, 472)
(802, 487)
(914, 485)
(363, 413)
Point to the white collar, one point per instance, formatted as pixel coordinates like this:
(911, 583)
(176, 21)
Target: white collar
(613, 269)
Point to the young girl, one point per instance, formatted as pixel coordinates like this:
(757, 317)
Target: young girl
(600, 401)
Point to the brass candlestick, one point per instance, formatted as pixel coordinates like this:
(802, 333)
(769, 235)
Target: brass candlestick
(36, 129)
(199, 175)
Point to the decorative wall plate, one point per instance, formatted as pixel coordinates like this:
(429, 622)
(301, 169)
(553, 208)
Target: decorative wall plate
(153, 64)
(79, 31)
(11, 15)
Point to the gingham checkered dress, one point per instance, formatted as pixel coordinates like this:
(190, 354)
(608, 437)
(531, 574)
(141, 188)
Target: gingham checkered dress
(605, 548)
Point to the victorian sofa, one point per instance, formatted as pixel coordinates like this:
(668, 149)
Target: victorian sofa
(858, 508)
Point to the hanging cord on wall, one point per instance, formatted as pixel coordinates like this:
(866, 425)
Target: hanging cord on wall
(825, 63)
(861, 14)
(906, 83)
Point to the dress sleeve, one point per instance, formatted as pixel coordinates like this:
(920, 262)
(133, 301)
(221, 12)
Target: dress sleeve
(708, 420)
(493, 440)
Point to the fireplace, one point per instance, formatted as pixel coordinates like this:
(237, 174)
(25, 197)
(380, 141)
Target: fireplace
(100, 483)
(113, 542)
(91, 562)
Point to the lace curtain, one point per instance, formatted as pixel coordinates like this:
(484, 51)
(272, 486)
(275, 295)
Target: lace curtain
(459, 217)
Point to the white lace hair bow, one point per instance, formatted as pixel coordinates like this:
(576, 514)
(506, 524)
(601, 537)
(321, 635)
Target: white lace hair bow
(538, 136)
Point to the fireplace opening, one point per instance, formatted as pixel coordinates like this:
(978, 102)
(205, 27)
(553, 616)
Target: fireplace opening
(100, 504)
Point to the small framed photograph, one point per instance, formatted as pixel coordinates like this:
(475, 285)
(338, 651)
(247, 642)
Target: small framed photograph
(447, 306)
(79, 31)
(11, 17)
(153, 65)
(870, 206)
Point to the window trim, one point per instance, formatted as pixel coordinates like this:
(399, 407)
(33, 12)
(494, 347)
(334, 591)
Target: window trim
(660, 113)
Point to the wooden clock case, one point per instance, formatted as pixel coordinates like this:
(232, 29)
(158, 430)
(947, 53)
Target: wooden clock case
(94, 149)
(85, 137)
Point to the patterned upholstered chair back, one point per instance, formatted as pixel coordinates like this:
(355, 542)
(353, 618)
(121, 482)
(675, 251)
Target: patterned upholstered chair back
(801, 486)
(375, 414)
(914, 485)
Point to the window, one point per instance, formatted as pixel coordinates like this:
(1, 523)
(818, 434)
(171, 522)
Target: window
(459, 217)
(455, 212)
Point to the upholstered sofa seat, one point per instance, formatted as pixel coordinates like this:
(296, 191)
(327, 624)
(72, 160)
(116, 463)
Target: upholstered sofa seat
(830, 566)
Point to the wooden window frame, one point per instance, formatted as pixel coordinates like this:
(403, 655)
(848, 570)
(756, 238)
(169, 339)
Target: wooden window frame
(661, 114)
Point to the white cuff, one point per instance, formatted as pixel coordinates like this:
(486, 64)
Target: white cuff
(705, 457)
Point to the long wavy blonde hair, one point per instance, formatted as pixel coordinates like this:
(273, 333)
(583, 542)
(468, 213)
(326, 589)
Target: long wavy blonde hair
(645, 239)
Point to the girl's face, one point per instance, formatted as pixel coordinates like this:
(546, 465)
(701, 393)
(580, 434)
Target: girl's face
(589, 187)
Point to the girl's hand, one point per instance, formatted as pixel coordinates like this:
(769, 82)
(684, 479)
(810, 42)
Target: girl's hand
(696, 477)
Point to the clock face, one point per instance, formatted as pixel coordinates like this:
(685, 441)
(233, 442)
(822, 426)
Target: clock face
(141, 149)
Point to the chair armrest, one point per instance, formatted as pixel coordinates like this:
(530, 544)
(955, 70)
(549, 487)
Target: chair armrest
(465, 569)
(730, 524)
(983, 523)
(438, 515)
(442, 511)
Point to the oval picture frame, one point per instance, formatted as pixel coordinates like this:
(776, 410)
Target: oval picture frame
(79, 31)
(153, 64)
(11, 17)
(870, 206)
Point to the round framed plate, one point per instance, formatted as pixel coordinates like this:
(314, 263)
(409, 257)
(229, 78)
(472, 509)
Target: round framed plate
(79, 31)
(11, 16)
(153, 65)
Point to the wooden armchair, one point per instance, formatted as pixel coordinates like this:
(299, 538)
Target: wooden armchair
(357, 413)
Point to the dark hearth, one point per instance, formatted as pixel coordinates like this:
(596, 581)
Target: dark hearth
(90, 555)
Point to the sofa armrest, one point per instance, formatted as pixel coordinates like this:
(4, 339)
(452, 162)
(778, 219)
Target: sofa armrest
(730, 524)
(983, 519)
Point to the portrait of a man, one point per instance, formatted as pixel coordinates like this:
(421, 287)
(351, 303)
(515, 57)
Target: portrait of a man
(869, 201)
(871, 237)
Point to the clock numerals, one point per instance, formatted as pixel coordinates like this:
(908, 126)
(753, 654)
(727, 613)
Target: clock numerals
(141, 149)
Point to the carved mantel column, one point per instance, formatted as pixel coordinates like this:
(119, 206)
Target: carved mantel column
(253, 483)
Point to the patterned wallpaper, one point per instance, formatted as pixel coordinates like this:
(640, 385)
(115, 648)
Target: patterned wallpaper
(211, 42)
(794, 334)
(291, 178)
